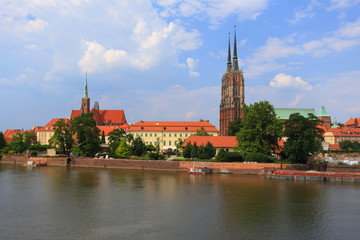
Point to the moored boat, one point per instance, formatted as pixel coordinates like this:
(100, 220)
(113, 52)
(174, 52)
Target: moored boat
(201, 171)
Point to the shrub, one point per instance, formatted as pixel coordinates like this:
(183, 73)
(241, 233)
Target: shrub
(156, 156)
(258, 157)
(33, 154)
(224, 156)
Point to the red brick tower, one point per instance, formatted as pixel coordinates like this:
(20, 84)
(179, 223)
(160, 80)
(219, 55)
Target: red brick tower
(232, 92)
(85, 101)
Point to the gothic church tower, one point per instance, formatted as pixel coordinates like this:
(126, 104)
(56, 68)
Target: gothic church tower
(85, 101)
(232, 92)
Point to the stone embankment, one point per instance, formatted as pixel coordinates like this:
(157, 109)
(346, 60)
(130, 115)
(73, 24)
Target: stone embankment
(217, 167)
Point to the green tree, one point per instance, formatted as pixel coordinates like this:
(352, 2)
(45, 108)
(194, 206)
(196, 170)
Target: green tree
(2, 141)
(209, 148)
(114, 138)
(123, 150)
(346, 145)
(103, 137)
(138, 147)
(220, 157)
(187, 150)
(179, 144)
(62, 139)
(22, 141)
(195, 151)
(260, 129)
(356, 146)
(150, 148)
(201, 132)
(304, 137)
(87, 134)
(234, 127)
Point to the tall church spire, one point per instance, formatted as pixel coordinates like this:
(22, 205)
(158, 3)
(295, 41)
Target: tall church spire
(235, 59)
(228, 69)
(86, 90)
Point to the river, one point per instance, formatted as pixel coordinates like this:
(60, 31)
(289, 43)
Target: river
(90, 203)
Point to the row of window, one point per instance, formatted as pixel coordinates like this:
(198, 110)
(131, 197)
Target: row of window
(347, 138)
(165, 143)
(155, 134)
(169, 134)
(44, 135)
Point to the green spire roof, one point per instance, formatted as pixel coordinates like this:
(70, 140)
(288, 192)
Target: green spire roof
(335, 125)
(323, 112)
(86, 90)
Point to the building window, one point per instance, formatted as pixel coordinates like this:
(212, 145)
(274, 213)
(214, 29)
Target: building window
(137, 134)
(175, 135)
(145, 134)
(155, 134)
(150, 142)
(169, 143)
(169, 134)
(164, 143)
(164, 134)
(150, 134)
(185, 134)
(141, 134)
(180, 134)
(175, 142)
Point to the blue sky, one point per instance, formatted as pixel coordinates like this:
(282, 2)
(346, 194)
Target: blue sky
(163, 59)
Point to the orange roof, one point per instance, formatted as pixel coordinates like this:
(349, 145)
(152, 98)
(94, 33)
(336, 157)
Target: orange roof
(344, 131)
(108, 129)
(352, 121)
(173, 126)
(216, 141)
(104, 116)
(49, 126)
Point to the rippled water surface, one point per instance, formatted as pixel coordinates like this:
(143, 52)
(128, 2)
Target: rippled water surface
(89, 203)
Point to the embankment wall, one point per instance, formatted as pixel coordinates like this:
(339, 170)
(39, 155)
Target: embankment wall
(237, 168)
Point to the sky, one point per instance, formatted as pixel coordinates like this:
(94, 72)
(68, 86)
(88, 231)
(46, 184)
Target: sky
(163, 60)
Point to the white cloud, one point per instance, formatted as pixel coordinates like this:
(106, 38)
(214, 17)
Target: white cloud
(340, 4)
(308, 12)
(214, 10)
(96, 58)
(282, 80)
(192, 65)
(350, 29)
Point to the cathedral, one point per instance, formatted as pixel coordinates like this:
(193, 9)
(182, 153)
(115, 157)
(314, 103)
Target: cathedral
(232, 92)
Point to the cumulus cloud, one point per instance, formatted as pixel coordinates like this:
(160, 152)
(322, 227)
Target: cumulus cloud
(282, 80)
(96, 57)
(192, 65)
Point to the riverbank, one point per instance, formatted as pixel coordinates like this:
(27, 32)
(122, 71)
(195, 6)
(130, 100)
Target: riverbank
(217, 167)
(183, 166)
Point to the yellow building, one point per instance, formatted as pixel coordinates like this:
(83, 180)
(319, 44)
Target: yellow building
(168, 133)
(45, 133)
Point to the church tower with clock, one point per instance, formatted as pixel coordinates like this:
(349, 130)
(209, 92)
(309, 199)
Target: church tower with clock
(232, 92)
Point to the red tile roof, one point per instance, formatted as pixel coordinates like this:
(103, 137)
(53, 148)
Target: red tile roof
(104, 116)
(49, 126)
(216, 141)
(173, 126)
(345, 131)
(352, 122)
(108, 129)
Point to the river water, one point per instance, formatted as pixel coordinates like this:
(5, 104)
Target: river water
(90, 203)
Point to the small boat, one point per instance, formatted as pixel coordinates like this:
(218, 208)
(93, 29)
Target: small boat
(34, 164)
(201, 171)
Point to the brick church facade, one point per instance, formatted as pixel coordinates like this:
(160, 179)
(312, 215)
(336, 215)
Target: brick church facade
(232, 92)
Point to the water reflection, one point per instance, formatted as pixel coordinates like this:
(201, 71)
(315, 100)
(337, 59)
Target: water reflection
(89, 203)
